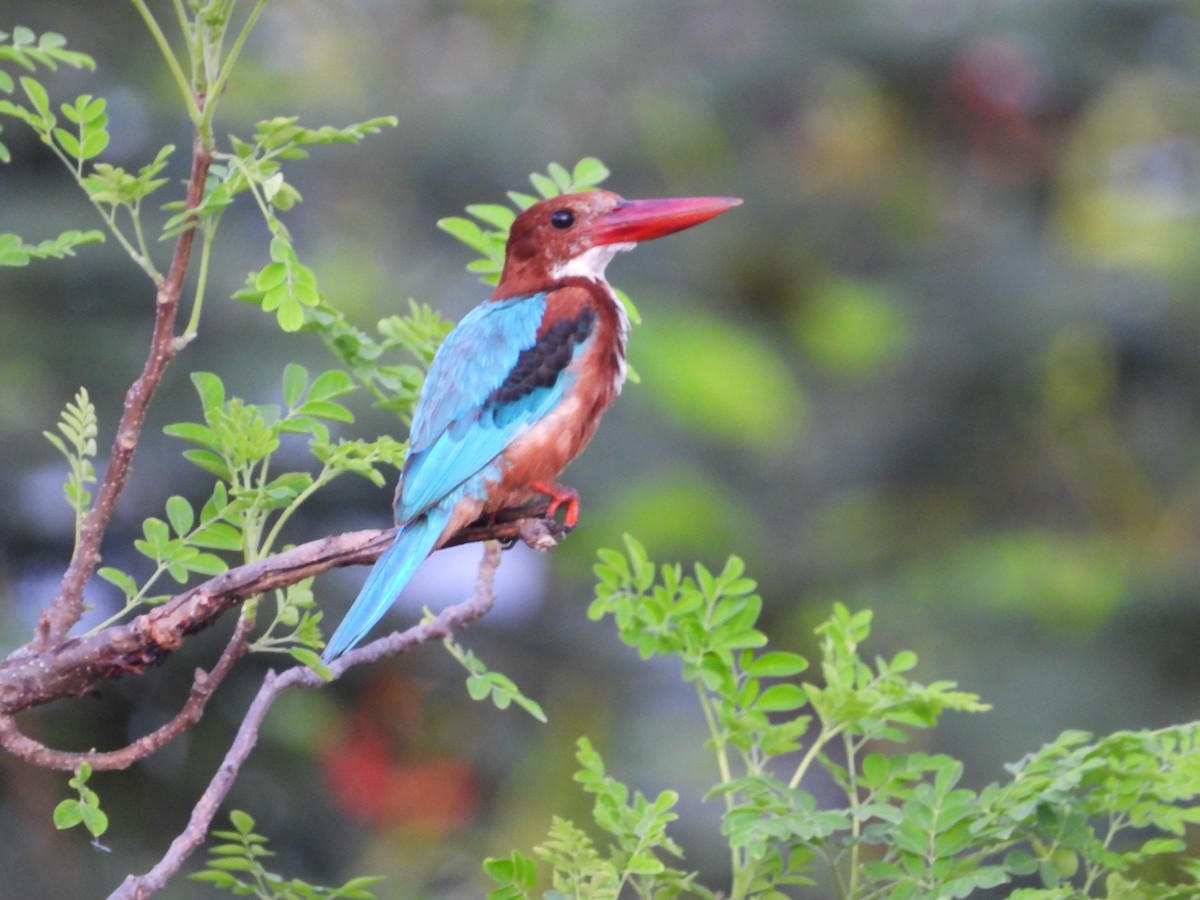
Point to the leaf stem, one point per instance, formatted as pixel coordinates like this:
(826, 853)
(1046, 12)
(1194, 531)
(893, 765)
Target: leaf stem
(109, 216)
(726, 774)
(218, 85)
(823, 738)
(142, 258)
(206, 240)
(855, 821)
(181, 80)
(317, 483)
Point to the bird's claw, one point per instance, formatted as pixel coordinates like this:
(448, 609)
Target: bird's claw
(560, 496)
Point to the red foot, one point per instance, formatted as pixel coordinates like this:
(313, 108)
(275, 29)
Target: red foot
(559, 495)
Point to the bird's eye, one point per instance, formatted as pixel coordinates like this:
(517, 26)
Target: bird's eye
(562, 218)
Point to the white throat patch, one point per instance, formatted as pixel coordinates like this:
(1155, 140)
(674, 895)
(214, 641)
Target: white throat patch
(590, 263)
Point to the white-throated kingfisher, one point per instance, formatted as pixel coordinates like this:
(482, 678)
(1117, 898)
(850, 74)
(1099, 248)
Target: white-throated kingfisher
(517, 388)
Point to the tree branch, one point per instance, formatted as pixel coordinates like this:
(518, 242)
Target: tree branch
(139, 887)
(67, 606)
(31, 678)
(204, 684)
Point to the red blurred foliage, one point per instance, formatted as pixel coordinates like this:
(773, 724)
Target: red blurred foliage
(999, 103)
(378, 778)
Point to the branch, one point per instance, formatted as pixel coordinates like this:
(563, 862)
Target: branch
(203, 686)
(67, 606)
(31, 678)
(139, 887)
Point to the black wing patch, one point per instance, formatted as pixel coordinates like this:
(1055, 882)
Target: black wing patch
(540, 365)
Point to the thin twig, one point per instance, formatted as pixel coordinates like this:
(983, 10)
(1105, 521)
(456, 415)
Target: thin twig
(67, 606)
(139, 887)
(29, 677)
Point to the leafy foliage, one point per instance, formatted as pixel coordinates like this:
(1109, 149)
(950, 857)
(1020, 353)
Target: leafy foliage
(1081, 815)
(483, 683)
(79, 428)
(15, 252)
(25, 49)
(284, 286)
(237, 866)
(85, 809)
(394, 385)
(636, 829)
(250, 503)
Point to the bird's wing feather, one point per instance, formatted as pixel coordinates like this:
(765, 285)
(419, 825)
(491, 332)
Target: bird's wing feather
(493, 377)
(391, 572)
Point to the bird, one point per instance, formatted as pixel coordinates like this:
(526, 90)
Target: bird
(517, 388)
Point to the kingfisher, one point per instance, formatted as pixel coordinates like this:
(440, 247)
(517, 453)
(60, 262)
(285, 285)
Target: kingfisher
(517, 388)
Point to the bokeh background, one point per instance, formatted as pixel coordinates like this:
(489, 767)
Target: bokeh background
(942, 363)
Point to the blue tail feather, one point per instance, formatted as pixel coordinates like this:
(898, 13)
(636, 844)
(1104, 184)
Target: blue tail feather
(391, 573)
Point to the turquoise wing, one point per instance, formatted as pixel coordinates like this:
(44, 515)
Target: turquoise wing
(492, 379)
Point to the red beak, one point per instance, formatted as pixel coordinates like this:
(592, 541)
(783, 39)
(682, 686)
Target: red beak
(644, 220)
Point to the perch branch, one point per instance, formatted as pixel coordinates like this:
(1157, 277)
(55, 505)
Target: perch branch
(140, 887)
(29, 678)
(67, 606)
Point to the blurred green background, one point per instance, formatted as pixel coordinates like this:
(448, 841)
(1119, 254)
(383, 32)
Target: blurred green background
(942, 363)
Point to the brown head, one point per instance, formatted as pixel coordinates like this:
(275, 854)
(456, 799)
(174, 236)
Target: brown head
(577, 234)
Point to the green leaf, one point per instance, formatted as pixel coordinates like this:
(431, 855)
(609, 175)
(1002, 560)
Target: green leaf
(93, 109)
(295, 380)
(467, 232)
(191, 431)
(478, 688)
(180, 515)
(271, 276)
(290, 314)
(210, 462)
(777, 664)
(210, 389)
(312, 660)
(218, 536)
(38, 97)
(589, 172)
(781, 698)
(544, 186)
(207, 564)
(242, 821)
(326, 409)
(12, 251)
(116, 577)
(95, 142)
(232, 864)
(561, 177)
(520, 200)
(493, 214)
(68, 142)
(68, 814)
(333, 383)
(95, 820)
(222, 880)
